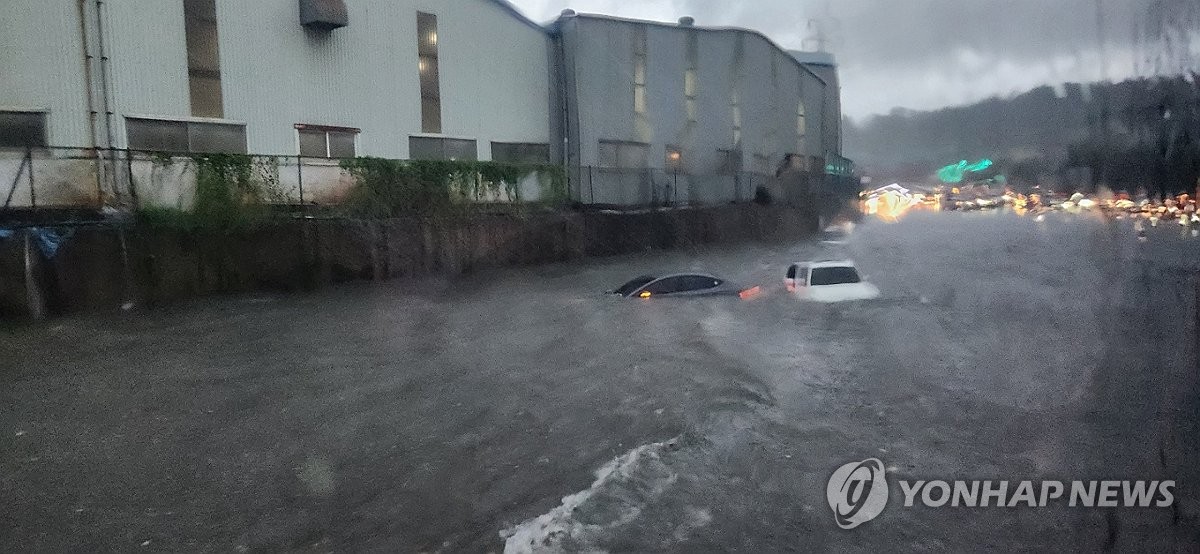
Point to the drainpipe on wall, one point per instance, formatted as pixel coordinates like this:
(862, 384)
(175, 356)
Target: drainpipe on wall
(105, 98)
(565, 125)
(89, 85)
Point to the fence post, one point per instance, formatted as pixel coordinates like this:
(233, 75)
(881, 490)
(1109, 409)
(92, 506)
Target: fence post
(34, 298)
(32, 192)
(133, 195)
(300, 179)
(674, 189)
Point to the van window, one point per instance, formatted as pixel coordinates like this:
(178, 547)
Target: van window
(835, 276)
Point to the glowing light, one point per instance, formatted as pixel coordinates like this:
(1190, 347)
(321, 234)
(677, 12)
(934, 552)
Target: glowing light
(955, 173)
(644, 294)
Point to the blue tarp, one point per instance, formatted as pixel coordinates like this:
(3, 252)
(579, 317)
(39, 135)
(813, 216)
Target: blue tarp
(48, 239)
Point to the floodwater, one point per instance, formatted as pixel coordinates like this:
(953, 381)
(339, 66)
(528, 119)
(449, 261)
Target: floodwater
(523, 411)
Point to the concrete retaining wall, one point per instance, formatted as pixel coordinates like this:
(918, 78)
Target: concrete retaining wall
(99, 268)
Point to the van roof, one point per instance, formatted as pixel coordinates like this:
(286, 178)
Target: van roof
(827, 263)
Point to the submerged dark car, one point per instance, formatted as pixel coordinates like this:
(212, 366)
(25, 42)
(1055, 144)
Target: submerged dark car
(681, 284)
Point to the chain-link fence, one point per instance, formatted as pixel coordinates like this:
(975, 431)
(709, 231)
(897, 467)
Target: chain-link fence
(47, 178)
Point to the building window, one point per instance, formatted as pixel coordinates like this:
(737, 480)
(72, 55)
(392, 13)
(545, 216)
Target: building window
(437, 148)
(736, 102)
(163, 135)
(735, 98)
(731, 162)
(640, 105)
(762, 164)
(674, 160)
(321, 141)
(690, 76)
(427, 65)
(204, 58)
(615, 154)
(22, 129)
(802, 127)
(520, 153)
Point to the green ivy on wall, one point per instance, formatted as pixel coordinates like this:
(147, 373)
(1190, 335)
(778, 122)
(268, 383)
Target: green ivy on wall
(389, 188)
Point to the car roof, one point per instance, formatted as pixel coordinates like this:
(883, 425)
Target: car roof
(826, 263)
(661, 277)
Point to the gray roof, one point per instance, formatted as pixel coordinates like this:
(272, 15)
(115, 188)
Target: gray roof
(803, 65)
(512, 10)
(813, 58)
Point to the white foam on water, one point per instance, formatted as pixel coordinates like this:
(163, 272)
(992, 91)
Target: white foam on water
(623, 487)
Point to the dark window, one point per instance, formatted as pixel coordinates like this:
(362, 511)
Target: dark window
(668, 285)
(341, 144)
(623, 155)
(700, 282)
(731, 162)
(326, 142)
(217, 137)
(834, 276)
(520, 153)
(427, 64)
(633, 285)
(203, 57)
(22, 129)
(799, 274)
(160, 135)
(435, 148)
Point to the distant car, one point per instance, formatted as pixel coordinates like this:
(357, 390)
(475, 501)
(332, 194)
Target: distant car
(834, 235)
(828, 281)
(681, 284)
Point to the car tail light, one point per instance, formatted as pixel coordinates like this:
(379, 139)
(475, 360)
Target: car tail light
(790, 284)
(750, 292)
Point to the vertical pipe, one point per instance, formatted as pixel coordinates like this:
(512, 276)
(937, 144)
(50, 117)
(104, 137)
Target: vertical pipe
(105, 90)
(591, 185)
(89, 95)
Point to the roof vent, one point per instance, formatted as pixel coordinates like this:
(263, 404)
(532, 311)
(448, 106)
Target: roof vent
(323, 15)
(687, 21)
(568, 13)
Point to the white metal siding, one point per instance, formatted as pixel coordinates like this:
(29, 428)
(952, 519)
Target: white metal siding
(275, 73)
(147, 52)
(494, 74)
(768, 95)
(41, 66)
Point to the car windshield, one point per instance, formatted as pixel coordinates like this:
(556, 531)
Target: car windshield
(834, 276)
(633, 285)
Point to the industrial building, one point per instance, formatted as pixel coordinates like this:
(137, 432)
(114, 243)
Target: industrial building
(638, 112)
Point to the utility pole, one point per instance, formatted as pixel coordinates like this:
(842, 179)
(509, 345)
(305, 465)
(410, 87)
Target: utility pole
(1104, 98)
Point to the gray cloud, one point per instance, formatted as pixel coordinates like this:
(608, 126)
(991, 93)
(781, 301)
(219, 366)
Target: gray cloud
(926, 54)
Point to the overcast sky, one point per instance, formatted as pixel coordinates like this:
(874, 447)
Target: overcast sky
(924, 54)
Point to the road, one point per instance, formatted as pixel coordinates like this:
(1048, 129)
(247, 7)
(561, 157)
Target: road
(521, 411)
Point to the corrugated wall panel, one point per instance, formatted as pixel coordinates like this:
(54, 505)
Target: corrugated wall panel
(41, 66)
(494, 81)
(147, 52)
